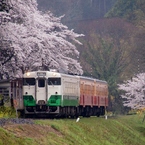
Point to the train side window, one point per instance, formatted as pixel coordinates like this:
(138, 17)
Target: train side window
(29, 81)
(54, 81)
(41, 83)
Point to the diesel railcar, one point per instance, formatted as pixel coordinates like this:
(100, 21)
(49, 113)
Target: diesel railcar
(58, 94)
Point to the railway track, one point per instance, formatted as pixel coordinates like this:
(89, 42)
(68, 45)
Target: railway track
(28, 120)
(4, 121)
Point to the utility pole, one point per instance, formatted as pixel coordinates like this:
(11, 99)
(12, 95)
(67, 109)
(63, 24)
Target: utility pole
(144, 97)
(138, 66)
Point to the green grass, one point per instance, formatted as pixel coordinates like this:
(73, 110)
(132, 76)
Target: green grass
(7, 112)
(7, 138)
(121, 130)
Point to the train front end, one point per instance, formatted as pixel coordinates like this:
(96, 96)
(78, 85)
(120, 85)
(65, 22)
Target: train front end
(41, 92)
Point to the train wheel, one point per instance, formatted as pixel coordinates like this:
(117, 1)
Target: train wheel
(98, 114)
(103, 111)
(22, 114)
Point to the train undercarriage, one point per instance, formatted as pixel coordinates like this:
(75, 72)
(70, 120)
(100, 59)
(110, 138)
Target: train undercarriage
(67, 111)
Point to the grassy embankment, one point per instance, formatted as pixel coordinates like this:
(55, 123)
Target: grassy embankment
(121, 130)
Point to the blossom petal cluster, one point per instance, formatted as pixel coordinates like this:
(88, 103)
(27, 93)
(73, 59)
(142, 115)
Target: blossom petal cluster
(35, 38)
(134, 92)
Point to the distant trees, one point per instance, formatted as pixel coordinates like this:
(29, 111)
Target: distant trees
(109, 48)
(123, 9)
(34, 38)
(132, 10)
(110, 53)
(134, 92)
(108, 64)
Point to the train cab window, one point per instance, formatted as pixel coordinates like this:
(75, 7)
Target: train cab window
(29, 81)
(54, 81)
(41, 83)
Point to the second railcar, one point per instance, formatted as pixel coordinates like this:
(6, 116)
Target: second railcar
(93, 96)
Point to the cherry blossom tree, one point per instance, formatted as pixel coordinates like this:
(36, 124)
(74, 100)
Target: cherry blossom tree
(36, 39)
(134, 92)
(5, 51)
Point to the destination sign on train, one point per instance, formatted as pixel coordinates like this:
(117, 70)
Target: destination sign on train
(41, 73)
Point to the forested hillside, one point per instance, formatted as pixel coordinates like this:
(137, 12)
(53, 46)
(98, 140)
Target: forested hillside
(133, 11)
(113, 46)
(77, 10)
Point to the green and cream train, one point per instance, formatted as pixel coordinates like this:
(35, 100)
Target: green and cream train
(58, 94)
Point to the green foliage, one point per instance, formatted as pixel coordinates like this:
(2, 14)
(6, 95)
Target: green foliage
(122, 8)
(132, 10)
(7, 112)
(1, 96)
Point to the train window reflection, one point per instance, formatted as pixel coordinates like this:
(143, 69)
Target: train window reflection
(29, 81)
(54, 81)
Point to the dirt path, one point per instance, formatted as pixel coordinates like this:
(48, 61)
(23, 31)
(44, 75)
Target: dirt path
(30, 130)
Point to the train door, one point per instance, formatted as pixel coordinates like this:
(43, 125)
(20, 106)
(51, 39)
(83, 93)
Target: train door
(16, 93)
(41, 87)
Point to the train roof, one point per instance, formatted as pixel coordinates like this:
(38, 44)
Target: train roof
(46, 73)
(63, 74)
(89, 78)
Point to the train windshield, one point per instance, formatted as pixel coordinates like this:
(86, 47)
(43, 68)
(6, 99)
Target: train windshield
(54, 81)
(29, 81)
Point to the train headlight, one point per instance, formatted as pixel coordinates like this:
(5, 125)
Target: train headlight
(54, 74)
(28, 74)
